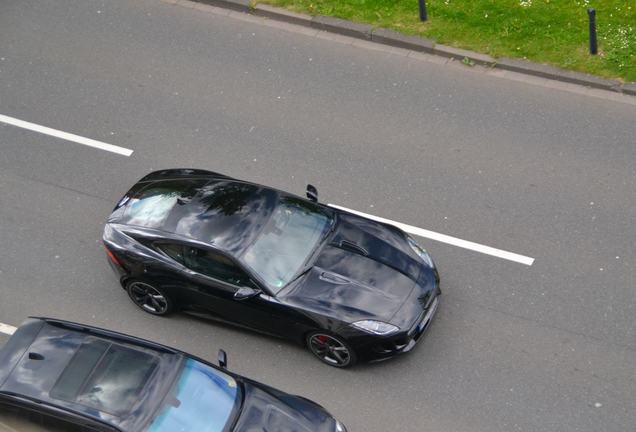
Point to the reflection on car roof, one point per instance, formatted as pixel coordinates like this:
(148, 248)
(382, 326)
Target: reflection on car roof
(226, 213)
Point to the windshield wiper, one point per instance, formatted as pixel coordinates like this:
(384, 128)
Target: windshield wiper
(332, 228)
(301, 273)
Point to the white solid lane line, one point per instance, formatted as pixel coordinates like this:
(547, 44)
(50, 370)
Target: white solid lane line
(65, 135)
(7, 329)
(510, 256)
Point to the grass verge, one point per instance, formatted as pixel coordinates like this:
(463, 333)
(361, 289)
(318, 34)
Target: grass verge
(544, 31)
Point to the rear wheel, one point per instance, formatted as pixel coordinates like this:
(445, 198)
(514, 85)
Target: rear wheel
(331, 349)
(149, 298)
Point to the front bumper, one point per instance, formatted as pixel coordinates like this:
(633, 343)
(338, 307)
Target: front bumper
(376, 348)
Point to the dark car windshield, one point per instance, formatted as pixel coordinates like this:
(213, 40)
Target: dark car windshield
(203, 400)
(286, 242)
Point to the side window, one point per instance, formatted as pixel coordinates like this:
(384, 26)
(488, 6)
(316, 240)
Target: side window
(19, 419)
(173, 250)
(215, 265)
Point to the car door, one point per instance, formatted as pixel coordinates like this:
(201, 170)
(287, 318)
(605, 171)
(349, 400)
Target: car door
(217, 278)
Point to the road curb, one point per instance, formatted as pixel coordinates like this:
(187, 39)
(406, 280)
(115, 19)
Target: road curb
(343, 27)
(461, 54)
(629, 88)
(419, 44)
(392, 38)
(235, 5)
(551, 72)
(278, 14)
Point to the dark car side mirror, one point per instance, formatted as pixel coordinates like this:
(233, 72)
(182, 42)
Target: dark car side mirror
(222, 359)
(312, 193)
(245, 293)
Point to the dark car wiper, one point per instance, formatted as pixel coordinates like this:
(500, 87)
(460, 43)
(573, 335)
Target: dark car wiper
(332, 228)
(301, 273)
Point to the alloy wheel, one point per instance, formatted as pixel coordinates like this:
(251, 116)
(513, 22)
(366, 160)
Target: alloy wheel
(330, 350)
(148, 298)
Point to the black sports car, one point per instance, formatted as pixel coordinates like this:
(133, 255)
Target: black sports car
(345, 286)
(61, 376)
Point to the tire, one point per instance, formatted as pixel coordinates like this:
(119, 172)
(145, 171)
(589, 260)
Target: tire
(331, 349)
(149, 298)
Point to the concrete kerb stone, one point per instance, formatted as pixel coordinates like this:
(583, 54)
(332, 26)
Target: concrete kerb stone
(343, 27)
(551, 72)
(629, 88)
(461, 54)
(413, 43)
(237, 5)
(282, 15)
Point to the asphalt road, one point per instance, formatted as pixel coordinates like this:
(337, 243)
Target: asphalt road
(533, 170)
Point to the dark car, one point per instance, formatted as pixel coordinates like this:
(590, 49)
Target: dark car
(72, 377)
(345, 286)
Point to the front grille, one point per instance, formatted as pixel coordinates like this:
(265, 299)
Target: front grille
(428, 304)
(417, 322)
(391, 346)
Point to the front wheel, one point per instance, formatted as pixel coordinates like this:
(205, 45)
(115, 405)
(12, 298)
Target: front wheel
(149, 298)
(331, 349)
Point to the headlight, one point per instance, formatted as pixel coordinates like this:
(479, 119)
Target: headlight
(421, 252)
(340, 427)
(376, 327)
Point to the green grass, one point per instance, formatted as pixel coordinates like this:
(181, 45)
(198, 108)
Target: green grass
(545, 31)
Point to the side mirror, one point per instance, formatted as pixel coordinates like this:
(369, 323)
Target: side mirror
(222, 359)
(312, 193)
(245, 293)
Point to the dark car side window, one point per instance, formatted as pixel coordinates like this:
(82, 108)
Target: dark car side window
(18, 419)
(215, 265)
(174, 251)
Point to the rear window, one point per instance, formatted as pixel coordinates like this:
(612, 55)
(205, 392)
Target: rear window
(153, 205)
(105, 376)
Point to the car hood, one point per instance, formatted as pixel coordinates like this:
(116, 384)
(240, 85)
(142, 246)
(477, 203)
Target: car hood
(266, 409)
(365, 271)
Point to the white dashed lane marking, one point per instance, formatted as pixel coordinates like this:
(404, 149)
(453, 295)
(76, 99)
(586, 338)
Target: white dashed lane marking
(65, 135)
(7, 329)
(510, 256)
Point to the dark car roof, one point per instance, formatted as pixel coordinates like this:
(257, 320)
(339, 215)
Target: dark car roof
(224, 212)
(42, 362)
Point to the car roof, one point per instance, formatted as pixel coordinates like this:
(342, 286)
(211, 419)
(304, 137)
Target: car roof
(224, 212)
(35, 360)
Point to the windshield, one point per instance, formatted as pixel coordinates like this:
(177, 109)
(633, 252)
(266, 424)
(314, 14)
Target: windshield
(286, 242)
(202, 400)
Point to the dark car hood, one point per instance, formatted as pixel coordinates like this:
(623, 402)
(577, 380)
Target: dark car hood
(266, 409)
(364, 272)
(383, 243)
